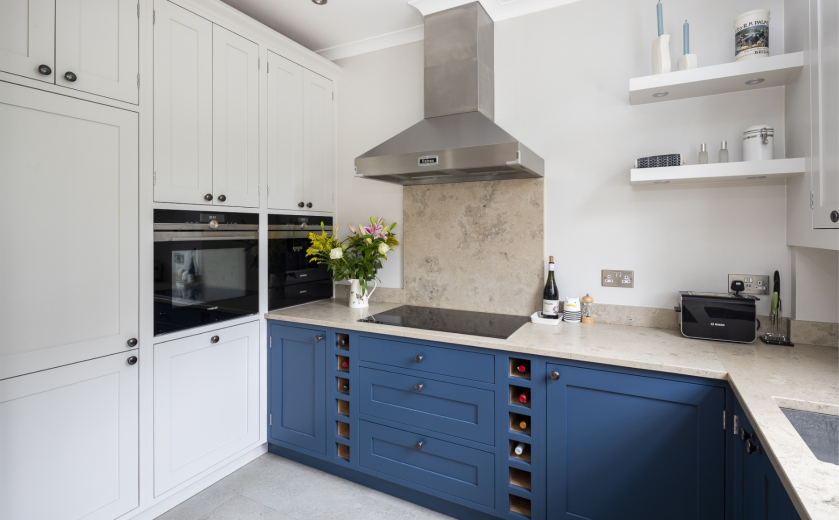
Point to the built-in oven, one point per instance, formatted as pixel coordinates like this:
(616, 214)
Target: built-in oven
(206, 268)
(292, 278)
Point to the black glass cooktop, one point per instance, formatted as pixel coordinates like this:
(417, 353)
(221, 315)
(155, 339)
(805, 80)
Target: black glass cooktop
(485, 324)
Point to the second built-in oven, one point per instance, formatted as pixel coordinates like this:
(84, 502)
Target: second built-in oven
(292, 278)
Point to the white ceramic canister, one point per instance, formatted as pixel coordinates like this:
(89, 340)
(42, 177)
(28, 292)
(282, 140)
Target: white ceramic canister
(758, 143)
(751, 35)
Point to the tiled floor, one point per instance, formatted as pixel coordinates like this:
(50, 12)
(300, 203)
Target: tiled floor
(274, 488)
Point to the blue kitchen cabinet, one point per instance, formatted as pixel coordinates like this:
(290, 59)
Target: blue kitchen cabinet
(627, 446)
(297, 387)
(760, 495)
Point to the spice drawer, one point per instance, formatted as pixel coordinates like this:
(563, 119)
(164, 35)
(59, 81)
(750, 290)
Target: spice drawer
(421, 461)
(426, 358)
(453, 409)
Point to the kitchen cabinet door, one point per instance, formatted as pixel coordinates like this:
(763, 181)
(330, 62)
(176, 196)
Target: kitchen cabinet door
(97, 46)
(628, 446)
(824, 70)
(27, 38)
(206, 402)
(69, 441)
(297, 387)
(285, 134)
(69, 263)
(235, 120)
(318, 176)
(183, 106)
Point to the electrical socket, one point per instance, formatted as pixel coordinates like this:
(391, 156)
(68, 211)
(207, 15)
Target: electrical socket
(755, 283)
(617, 278)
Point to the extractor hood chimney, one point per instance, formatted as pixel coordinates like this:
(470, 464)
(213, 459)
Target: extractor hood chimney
(458, 141)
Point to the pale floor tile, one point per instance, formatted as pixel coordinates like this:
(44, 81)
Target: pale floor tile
(274, 488)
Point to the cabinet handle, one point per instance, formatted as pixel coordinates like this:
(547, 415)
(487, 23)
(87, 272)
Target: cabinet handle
(214, 339)
(751, 448)
(554, 375)
(834, 216)
(744, 435)
(418, 387)
(318, 338)
(208, 197)
(45, 70)
(132, 342)
(132, 360)
(69, 76)
(418, 445)
(309, 205)
(300, 204)
(222, 198)
(418, 358)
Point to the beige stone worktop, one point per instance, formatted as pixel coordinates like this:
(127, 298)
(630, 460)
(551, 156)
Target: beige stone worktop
(763, 378)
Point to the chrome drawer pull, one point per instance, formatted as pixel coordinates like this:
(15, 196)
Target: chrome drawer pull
(418, 387)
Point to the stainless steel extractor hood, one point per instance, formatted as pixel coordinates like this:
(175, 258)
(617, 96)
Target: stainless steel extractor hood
(458, 140)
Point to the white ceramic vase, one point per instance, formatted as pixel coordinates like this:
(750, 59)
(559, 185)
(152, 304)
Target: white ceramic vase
(661, 54)
(357, 299)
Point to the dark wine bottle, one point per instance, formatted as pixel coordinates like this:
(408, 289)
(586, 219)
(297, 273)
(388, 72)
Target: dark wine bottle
(550, 296)
(345, 364)
(523, 398)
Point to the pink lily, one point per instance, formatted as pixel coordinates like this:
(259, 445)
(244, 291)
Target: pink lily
(352, 228)
(376, 230)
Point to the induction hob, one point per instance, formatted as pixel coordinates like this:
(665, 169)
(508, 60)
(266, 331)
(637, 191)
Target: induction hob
(485, 324)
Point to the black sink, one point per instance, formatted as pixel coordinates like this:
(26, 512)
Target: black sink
(820, 432)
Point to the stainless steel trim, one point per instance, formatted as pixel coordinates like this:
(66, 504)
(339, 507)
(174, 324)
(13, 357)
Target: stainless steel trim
(188, 236)
(204, 227)
(297, 227)
(288, 234)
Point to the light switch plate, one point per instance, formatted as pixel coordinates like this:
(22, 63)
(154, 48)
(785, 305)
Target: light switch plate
(617, 278)
(755, 283)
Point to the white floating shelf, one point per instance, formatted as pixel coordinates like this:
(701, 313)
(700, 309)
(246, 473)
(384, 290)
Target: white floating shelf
(718, 172)
(775, 71)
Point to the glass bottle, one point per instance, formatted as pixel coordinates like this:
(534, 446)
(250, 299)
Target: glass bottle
(724, 151)
(703, 154)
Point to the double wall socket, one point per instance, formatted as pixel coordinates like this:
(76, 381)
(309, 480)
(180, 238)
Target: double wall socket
(616, 278)
(755, 283)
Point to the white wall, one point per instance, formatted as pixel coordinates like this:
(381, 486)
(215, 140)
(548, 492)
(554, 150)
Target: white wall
(816, 290)
(562, 79)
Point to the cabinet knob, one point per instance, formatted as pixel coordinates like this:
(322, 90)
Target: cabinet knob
(309, 205)
(300, 204)
(418, 445)
(132, 360)
(208, 197)
(214, 339)
(45, 70)
(318, 338)
(744, 435)
(69, 76)
(418, 387)
(418, 358)
(834, 216)
(554, 375)
(132, 342)
(222, 198)
(752, 448)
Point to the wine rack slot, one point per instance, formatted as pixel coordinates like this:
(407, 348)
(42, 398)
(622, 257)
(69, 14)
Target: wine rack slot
(342, 341)
(343, 451)
(343, 385)
(343, 363)
(343, 429)
(520, 368)
(520, 505)
(520, 395)
(520, 478)
(343, 407)
(524, 456)
(520, 423)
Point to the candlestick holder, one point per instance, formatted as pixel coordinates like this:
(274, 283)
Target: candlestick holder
(661, 54)
(687, 61)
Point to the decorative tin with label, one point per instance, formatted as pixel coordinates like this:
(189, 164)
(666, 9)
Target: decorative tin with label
(751, 35)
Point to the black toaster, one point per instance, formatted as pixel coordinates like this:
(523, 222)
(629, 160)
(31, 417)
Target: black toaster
(718, 316)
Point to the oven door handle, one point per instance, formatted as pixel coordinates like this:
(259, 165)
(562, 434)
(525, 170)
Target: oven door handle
(186, 236)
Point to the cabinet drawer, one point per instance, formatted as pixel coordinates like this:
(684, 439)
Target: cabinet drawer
(437, 360)
(443, 466)
(457, 410)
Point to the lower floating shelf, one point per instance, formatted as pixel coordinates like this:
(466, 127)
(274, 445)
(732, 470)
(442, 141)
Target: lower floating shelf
(718, 172)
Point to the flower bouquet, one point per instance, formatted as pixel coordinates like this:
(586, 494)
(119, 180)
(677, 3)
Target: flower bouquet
(357, 258)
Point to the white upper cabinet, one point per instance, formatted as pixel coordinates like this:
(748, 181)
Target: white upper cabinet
(285, 134)
(96, 47)
(69, 441)
(235, 120)
(317, 142)
(824, 36)
(68, 277)
(27, 38)
(183, 106)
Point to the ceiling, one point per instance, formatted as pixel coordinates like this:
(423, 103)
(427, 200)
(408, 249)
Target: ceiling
(343, 28)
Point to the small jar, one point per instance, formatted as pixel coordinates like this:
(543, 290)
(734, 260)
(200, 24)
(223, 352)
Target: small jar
(758, 143)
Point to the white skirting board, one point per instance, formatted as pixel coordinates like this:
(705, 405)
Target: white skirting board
(718, 172)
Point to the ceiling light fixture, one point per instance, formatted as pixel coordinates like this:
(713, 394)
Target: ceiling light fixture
(755, 81)
(756, 177)
(660, 94)
(661, 182)
(319, 2)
